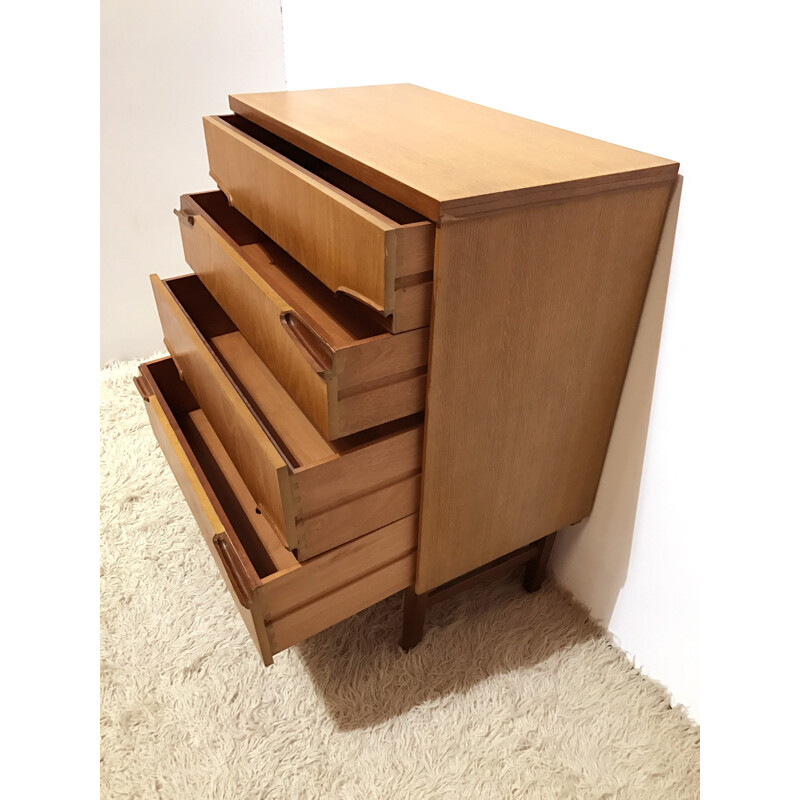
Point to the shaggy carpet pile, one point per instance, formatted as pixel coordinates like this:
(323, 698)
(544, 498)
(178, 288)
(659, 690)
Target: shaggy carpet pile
(509, 695)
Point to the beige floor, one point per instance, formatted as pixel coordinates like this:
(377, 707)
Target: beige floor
(508, 696)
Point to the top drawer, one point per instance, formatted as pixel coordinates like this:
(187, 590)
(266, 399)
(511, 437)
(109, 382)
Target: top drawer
(354, 239)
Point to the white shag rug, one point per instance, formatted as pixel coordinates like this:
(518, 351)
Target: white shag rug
(509, 695)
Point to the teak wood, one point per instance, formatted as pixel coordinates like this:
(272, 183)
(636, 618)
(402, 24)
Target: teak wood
(443, 156)
(415, 606)
(317, 493)
(383, 264)
(521, 401)
(330, 353)
(351, 246)
(281, 601)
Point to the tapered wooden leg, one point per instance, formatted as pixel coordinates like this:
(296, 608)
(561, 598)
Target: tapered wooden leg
(414, 608)
(535, 568)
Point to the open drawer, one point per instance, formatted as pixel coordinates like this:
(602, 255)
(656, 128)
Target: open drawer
(281, 601)
(354, 239)
(330, 352)
(317, 493)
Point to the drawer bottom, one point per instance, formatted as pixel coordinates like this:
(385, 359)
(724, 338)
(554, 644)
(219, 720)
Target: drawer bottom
(281, 600)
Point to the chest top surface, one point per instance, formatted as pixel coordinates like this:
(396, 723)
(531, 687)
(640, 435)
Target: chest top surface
(444, 156)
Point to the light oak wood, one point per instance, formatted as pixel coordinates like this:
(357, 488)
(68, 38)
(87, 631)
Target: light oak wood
(535, 313)
(212, 520)
(442, 156)
(260, 462)
(287, 423)
(350, 245)
(330, 353)
(278, 554)
(285, 602)
(348, 222)
(354, 595)
(412, 307)
(317, 493)
(185, 474)
(340, 583)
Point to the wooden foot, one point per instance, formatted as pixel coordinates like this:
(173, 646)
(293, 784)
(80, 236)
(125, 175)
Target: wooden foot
(536, 567)
(414, 608)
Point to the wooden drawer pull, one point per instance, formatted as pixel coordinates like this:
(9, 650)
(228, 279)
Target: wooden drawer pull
(143, 388)
(318, 355)
(233, 569)
(184, 216)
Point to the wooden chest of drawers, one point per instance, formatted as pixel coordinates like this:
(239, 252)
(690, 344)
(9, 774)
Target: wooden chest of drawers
(399, 358)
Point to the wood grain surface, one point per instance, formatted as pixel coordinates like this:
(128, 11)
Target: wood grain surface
(339, 489)
(294, 601)
(350, 246)
(317, 493)
(200, 495)
(330, 353)
(340, 583)
(442, 156)
(262, 466)
(535, 313)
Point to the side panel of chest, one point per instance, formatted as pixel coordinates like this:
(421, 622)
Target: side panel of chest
(535, 314)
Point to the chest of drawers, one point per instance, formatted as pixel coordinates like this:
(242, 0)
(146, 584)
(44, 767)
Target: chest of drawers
(397, 362)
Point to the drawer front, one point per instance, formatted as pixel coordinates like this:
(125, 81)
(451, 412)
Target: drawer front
(332, 356)
(281, 601)
(317, 493)
(350, 246)
(339, 583)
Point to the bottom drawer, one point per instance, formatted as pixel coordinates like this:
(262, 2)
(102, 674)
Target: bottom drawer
(281, 600)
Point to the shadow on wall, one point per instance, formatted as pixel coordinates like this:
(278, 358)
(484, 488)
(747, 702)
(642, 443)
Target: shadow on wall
(591, 558)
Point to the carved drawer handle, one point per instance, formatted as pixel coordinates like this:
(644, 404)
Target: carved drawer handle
(231, 564)
(184, 217)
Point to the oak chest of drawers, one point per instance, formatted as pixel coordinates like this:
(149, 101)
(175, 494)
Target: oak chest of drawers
(398, 359)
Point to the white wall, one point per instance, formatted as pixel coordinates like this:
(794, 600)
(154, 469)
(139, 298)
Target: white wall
(609, 71)
(163, 66)
(634, 562)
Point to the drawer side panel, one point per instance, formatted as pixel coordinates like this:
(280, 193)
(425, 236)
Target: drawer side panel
(260, 465)
(207, 520)
(257, 312)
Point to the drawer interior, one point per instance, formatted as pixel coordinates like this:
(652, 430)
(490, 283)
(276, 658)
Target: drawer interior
(336, 319)
(280, 600)
(390, 208)
(259, 541)
(293, 435)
